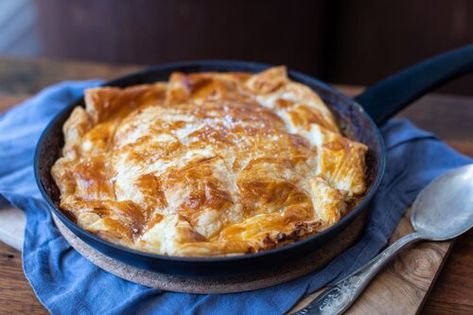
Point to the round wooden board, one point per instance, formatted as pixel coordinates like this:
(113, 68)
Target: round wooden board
(213, 285)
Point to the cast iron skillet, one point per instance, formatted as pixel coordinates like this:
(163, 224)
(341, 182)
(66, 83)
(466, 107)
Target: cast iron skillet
(359, 119)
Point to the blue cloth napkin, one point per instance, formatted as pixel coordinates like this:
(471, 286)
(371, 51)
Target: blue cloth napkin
(66, 283)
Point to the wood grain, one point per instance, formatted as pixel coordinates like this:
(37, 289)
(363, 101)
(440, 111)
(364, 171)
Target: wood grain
(449, 117)
(7, 101)
(453, 292)
(16, 296)
(24, 77)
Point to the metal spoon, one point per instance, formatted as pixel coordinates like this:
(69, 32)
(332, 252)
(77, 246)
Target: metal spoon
(443, 210)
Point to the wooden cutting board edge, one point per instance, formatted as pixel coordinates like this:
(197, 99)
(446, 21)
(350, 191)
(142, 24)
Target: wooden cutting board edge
(449, 248)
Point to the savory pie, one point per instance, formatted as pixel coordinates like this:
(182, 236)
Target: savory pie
(207, 164)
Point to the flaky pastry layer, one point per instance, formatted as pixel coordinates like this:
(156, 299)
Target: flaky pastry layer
(207, 164)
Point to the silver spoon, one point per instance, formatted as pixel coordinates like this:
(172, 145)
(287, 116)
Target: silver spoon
(442, 210)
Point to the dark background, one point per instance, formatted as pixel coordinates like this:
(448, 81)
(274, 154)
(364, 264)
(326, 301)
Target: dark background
(351, 42)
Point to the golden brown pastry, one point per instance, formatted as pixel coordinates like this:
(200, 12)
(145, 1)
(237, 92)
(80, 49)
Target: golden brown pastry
(207, 164)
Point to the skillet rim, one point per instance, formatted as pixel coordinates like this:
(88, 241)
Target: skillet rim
(254, 66)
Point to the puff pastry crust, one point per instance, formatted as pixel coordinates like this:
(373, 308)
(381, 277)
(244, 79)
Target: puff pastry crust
(207, 164)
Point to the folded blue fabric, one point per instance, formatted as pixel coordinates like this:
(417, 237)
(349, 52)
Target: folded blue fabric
(66, 283)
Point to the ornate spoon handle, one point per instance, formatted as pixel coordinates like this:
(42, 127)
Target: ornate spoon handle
(338, 298)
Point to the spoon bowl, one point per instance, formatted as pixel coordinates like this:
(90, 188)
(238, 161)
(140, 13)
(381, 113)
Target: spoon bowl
(444, 209)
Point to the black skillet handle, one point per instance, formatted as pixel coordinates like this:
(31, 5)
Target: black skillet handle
(389, 96)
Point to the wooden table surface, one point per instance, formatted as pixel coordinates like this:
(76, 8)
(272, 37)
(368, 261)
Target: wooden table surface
(450, 117)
